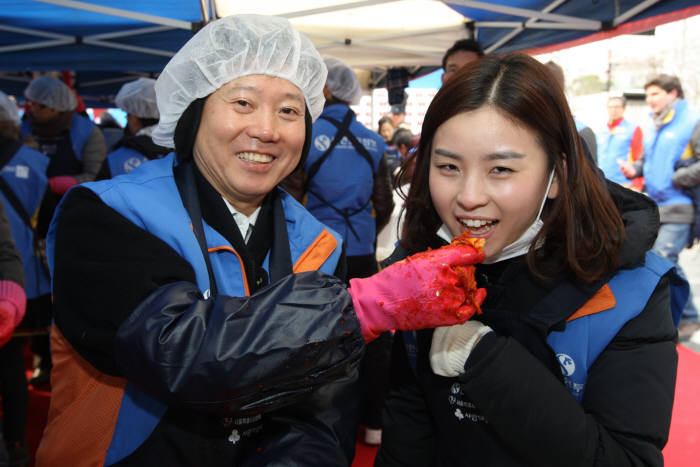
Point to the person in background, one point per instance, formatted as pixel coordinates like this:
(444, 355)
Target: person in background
(392, 155)
(75, 148)
(221, 333)
(587, 134)
(462, 52)
(22, 186)
(74, 144)
(348, 180)
(578, 313)
(674, 136)
(386, 128)
(18, 170)
(397, 112)
(138, 100)
(620, 141)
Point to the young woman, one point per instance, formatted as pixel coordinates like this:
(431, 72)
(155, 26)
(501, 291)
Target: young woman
(573, 360)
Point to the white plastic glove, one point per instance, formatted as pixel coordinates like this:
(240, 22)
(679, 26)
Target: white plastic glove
(452, 345)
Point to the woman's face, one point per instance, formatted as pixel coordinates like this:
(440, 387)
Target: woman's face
(488, 175)
(386, 131)
(250, 138)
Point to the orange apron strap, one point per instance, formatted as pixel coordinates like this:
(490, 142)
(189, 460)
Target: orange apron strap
(317, 253)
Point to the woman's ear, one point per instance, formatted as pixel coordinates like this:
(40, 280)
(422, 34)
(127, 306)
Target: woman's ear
(554, 188)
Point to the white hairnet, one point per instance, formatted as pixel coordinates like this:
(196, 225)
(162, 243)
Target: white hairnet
(47, 90)
(8, 109)
(230, 48)
(138, 98)
(342, 81)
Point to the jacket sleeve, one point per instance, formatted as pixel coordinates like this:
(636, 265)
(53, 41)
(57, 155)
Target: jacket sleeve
(616, 424)
(408, 433)
(324, 422)
(128, 303)
(94, 153)
(10, 261)
(688, 177)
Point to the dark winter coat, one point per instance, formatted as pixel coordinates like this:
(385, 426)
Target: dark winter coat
(514, 409)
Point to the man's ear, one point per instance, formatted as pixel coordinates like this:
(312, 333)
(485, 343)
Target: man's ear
(327, 92)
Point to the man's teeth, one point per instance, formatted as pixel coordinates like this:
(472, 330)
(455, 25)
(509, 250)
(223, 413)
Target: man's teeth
(475, 223)
(254, 157)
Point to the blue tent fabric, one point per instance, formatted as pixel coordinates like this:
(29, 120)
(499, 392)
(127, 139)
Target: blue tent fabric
(102, 68)
(604, 11)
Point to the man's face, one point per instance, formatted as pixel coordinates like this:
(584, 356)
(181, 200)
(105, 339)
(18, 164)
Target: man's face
(615, 110)
(456, 61)
(40, 113)
(658, 99)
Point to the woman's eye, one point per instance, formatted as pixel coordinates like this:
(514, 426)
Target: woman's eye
(447, 167)
(290, 111)
(501, 170)
(242, 103)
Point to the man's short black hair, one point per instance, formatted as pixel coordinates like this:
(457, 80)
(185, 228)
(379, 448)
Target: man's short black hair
(468, 45)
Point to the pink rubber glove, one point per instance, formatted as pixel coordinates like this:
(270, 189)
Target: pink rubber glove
(13, 303)
(426, 290)
(62, 183)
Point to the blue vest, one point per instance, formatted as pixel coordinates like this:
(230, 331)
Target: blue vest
(148, 197)
(80, 130)
(584, 338)
(25, 175)
(614, 144)
(124, 160)
(663, 147)
(344, 181)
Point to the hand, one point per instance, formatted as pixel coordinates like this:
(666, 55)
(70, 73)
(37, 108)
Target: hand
(627, 168)
(452, 345)
(426, 290)
(62, 183)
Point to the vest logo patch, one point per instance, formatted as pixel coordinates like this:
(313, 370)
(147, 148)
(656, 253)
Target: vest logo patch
(21, 171)
(131, 163)
(568, 367)
(322, 142)
(463, 410)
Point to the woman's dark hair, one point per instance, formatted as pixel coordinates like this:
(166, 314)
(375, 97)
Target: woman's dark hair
(188, 125)
(583, 230)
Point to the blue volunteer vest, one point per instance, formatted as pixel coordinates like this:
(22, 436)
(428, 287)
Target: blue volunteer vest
(340, 191)
(80, 130)
(663, 147)
(584, 338)
(149, 198)
(614, 144)
(124, 160)
(25, 176)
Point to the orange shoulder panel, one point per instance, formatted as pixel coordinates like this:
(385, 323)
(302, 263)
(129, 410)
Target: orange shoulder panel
(83, 410)
(317, 253)
(601, 301)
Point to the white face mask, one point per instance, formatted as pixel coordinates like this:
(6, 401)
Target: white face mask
(519, 246)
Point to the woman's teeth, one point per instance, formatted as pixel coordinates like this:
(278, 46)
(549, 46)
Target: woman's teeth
(476, 223)
(254, 157)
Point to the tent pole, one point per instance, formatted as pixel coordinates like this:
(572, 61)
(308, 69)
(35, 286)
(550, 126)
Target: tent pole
(175, 23)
